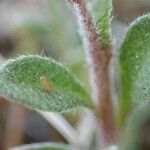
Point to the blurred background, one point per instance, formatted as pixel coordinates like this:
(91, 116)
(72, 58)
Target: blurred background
(47, 28)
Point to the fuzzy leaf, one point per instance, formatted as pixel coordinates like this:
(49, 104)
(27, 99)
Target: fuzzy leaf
(135, 65)
(102, 14)
(41, 83)
(136, 135)
(43, 146)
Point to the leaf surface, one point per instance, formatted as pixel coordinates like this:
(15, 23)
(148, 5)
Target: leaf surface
(41, 83)
(43, 146)
(136, 135)
(134, 63)
(102, 14)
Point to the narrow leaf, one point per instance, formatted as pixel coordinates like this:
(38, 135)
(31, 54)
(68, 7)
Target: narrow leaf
(42, 146)
(41, 83)
(135, 65)
(102, 14)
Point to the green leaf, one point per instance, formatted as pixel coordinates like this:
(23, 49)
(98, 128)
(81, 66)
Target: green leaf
(102, 14)
(136, 135)
(43, 146)
(134, 64)
(42, 83)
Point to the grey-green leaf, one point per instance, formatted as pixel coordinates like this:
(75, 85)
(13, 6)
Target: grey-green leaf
(102, 14)
(42, 83)
(43, 146)
(134, 64)
(137, 131)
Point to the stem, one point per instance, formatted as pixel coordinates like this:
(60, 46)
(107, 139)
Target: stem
(14, 126)
(16, 116)
(60, 123)
(98, 58)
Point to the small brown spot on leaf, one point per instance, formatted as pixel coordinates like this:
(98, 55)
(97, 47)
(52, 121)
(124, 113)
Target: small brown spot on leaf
(46, 84)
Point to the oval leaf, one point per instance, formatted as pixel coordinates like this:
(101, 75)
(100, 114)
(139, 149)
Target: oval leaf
(135, 65)
(41, 83)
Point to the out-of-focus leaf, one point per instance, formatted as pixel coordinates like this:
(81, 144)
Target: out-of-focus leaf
(41, 83)
(102, 14)
(43, 146)
(137, 132)
(113, 147)
(134, 64)
(32, 35)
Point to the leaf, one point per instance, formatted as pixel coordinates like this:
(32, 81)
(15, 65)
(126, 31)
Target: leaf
(134, 62)
(136, 135)
(103, 17)
(112, 147)
(43, 146)
(42, 83)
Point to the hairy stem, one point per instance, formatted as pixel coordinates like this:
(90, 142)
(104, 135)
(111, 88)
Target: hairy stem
(98, 58)
(58, 122)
